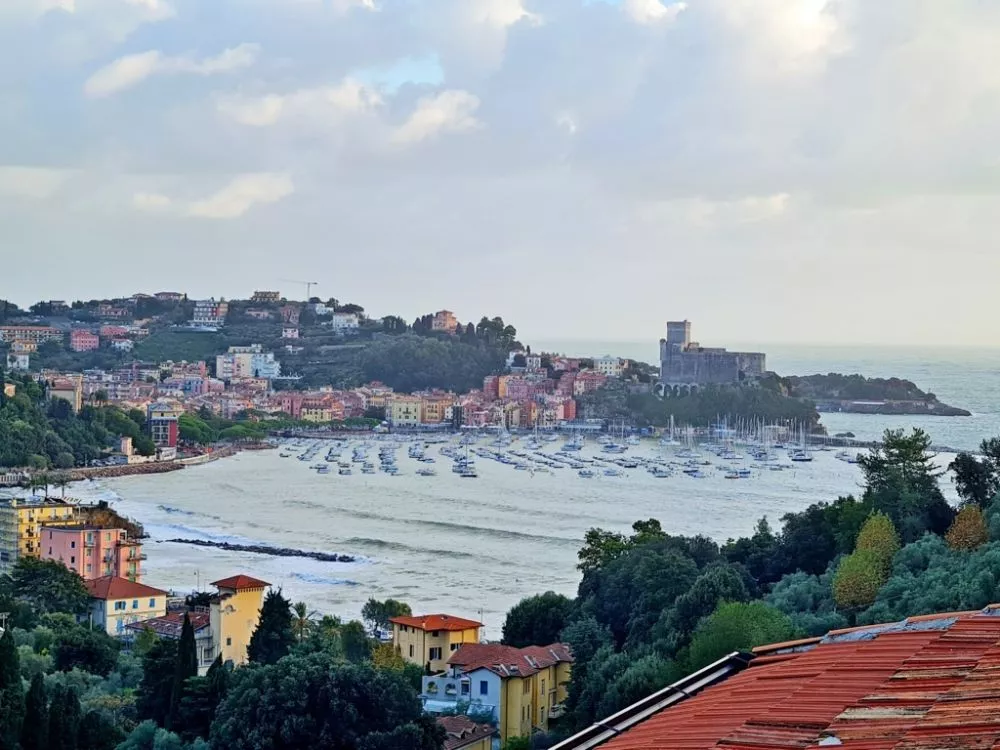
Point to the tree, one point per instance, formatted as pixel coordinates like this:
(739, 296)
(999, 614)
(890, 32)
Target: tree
(536, 620)
(858, 579)
(879, 536)
(975, 480)
(156, 688)
(736, 627)
(202, 696)
(273, 637)
(376, 614)
(49, 586)
(185, 667)
(302, 621)
(968, 530)
(356, 644)
(385, 656)
(64, 719)
(89, 649)
(35, 730)
(98, 732)
(11, 692)
(309, 702)
(717, 584)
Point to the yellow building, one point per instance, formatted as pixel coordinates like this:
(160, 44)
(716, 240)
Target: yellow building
(435, 409)
(69, 388)
(234, 615)
(316, 413)
(116, 603)
(526, 688)
(404, 411)
(21, 524)
(9, 389)
(432, 639)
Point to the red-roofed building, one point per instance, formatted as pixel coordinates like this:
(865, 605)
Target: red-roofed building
(117, 602)
(171, 625)
(926, 682)
(241, 583)
(523, 688)
(461, 733)
(431, 639)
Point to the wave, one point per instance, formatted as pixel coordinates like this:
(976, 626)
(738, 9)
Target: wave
(310, 578)
(359, 541)
(179, 511)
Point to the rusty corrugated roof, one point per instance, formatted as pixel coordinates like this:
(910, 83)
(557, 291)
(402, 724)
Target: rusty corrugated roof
(927, 683)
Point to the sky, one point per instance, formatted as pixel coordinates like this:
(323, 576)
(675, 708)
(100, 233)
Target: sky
(822, 171)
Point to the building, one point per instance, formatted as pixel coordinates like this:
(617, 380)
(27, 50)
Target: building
(290, 314)
(610, 367)
(685, 362)
(404, 411)
(265, 297)
(21, 523)
(344, 322)
(169, 296)
(523, 688)
(123, 345)
(429, 640)
(235, 612)
(68, 388)
(461, 733)
(163, 422)
(289, 333)
(93, 552)
(117, 602)
(926, 682)
(83, 341)
(209, 313)
(434, 408)
(18, 361)
(9, 390)
(444, 320)
(34, 334)
(242, 362)
(171, 625)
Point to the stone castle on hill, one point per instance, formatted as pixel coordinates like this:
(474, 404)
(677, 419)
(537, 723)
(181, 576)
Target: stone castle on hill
(686, 362)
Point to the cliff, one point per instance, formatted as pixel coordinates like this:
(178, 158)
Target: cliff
(860, 395)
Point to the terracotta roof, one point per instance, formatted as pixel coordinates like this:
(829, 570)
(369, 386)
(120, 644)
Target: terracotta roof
(112, 587)
(462, 731)
(508, 661)
(241, 582)
(437, 622)
(926, 682)
(170, 626)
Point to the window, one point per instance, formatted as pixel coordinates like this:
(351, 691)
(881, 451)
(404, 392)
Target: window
(72, 545)
(484, 687)
(89, 552)
(72, 560)
(525, 687)
(119, 605)
(435, 633)
(229, 641)
(89, 567)
(135, 604)
(152, 603)
(456, 646)
(435, 653)
(541, 715)
(411, 650)
(50, 550)
(466, 688)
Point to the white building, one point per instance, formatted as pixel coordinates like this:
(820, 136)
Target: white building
(344, 322)
(18, 361)
(247, 362)
(123, 345)
(289, 333)
(611, 367)
(208, 312)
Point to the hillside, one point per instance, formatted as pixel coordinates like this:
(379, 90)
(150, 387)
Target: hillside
(856, 393)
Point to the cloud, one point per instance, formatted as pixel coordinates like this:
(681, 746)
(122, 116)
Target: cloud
(652, 11)
(446, 112)
(130, 70)
(242, 194)
(151, 202)
(321, 103)
(36, 183)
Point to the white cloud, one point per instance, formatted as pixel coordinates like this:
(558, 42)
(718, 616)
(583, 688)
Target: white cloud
(653, 11)
(242, 194)
(151, 202)
(154, 10)
(500, 13)
(449, 111)
(36, 183)
(323, 104)
(130, 70)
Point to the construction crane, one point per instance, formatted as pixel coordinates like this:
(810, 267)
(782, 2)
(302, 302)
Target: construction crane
(307, 284)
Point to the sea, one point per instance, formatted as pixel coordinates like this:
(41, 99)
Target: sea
(475, 547)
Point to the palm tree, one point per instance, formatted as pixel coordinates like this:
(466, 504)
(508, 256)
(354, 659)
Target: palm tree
(62, 481)
(302, 620)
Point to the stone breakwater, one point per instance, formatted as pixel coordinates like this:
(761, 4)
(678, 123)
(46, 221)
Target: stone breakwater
(126, 470)
(263, 549)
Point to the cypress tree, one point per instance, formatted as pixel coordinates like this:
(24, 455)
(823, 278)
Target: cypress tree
(185, 666)
(55, 728)
(35, 732)
(72, 713)
(273, 638)
(156, 688)
(11, 693)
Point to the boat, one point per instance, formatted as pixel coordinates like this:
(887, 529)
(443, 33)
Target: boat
(344, 472)
(800, 455)
(323, 470)
(468, 473)
(285, 455)
(586, 473)
(426, 472)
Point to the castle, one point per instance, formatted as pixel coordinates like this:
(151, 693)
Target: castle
(685, 362)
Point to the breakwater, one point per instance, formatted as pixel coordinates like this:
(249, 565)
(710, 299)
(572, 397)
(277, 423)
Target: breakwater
(125, 470)
(264, 549)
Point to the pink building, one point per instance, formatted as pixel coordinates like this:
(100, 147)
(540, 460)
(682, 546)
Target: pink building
(83, 341)
(93, 552)
(114, 332)
(491, 387)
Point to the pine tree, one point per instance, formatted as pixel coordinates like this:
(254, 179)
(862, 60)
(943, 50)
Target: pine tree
(273, 638)
(35, 732)
(11, 693)
(185, 667)
(155, 690)
(55, 729)
(64, 719)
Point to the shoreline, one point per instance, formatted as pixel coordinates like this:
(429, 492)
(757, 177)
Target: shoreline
(156, 467)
